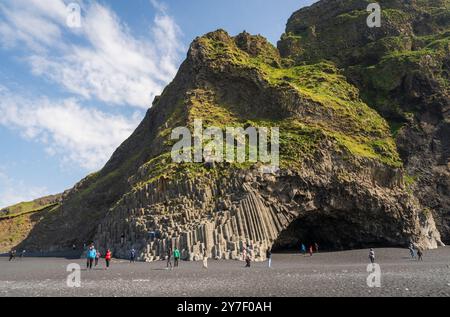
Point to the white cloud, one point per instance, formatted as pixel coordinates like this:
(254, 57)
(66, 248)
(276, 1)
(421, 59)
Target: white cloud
(79, 135)
(35, 23)
(12, 192)
(101, 62)
(106, 62)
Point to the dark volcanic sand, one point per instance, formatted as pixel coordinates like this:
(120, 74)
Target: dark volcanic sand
(325, 274)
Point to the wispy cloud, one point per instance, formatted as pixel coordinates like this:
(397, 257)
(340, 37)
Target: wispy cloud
(78, 135)
(101, 62)
(105, 61)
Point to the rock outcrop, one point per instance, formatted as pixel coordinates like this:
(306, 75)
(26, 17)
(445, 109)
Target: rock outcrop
(342, 181)
(223, 217)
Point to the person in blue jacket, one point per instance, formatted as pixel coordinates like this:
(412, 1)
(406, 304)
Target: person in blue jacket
(91, 255)
(303, 249)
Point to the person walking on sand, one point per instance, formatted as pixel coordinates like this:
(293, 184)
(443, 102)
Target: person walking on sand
(91, 254)
(269, 257)
(132, 255)
(372, 256)
(169, 258)
(316, 246)
(419, 255)
(108, 257)
(412, 251)
(311, 250)
(176, 257)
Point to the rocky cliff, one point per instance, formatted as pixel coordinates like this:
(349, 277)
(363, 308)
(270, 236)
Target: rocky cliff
(402, 70)
(343, 181)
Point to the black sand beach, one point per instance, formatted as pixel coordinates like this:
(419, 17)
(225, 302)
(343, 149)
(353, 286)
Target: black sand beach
(324, 274)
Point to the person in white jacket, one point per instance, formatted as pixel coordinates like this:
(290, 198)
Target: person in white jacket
(205, 260)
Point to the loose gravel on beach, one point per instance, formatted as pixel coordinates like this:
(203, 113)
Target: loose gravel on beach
(324, 274)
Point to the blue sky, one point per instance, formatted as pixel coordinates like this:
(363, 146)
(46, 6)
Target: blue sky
(70, 96)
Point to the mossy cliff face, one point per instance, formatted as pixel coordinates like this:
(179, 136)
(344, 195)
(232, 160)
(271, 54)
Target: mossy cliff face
(341, 182)
(402, 70)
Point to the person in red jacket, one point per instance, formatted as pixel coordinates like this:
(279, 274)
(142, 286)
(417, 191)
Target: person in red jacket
(311, 250)
(108, 257)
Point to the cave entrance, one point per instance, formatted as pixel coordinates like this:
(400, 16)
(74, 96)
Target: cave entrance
(332, 231)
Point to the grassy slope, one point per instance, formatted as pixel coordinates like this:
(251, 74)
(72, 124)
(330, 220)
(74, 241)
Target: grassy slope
(15, 228)
(30, 206)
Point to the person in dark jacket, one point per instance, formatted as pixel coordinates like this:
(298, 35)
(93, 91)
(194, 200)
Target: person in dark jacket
(269, 257)
(419, 255)
(247, 261)
(372, 256)
(169, 258)
(12, 255)
(132, 255)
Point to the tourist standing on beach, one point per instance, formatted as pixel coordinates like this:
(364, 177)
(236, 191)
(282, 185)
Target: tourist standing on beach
(311, 250)
(372, 256)
(132, 255)
(419, 255)
(205, 260)
(247, 261)
(176, 257)
(412, 251)
(316, 245)
(303, 249)
(91, 254)
(269, 257)
(97, 256)
(169, 258)
(12, 255)
(108, 257)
